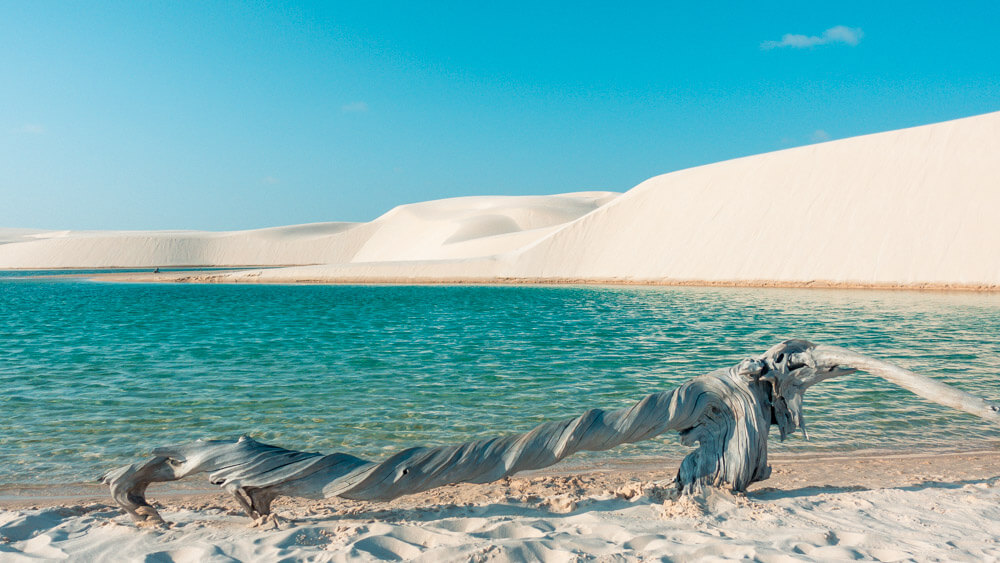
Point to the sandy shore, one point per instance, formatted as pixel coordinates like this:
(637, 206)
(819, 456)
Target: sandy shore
(294, 276)
(924, 507)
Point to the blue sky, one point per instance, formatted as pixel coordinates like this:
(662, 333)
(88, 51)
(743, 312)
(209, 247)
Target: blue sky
(187, 115)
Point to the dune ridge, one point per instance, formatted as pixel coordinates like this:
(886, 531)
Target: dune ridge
(447, 229)
(907, 208)
(904, 207)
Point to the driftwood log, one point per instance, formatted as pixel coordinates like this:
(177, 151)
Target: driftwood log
(728, 413)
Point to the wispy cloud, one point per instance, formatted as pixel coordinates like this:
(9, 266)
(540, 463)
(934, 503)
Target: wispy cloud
(269, 180)
(354, 107)
(819, 136)
(836, 34)
(31, 129)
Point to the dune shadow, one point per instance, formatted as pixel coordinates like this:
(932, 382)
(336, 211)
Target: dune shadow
(771, 493)
(445, 511)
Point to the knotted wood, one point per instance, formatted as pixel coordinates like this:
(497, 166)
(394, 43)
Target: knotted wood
(727, 413)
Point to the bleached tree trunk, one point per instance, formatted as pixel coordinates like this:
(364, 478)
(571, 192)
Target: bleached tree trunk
(727, 413)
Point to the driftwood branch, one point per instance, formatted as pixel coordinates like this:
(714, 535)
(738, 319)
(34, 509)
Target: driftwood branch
(728, 413)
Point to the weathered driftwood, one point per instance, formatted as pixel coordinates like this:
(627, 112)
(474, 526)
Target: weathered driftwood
(728, 413)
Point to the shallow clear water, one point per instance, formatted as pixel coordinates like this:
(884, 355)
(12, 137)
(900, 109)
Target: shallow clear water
(93, 375)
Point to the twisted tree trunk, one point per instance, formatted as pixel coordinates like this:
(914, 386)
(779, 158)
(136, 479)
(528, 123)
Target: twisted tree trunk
(728, 413)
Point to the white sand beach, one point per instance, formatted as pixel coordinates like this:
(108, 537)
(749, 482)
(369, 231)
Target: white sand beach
(471, 282)
(908, 208)
(921, 507)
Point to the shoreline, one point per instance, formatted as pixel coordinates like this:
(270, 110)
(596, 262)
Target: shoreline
(215, 275)
(788, 468)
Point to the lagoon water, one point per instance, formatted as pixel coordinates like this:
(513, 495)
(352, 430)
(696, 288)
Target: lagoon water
(93, 375)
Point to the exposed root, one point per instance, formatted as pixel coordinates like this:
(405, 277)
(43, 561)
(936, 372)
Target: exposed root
(147, 517)
(266, 522)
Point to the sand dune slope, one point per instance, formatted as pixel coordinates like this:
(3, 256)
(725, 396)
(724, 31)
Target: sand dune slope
(447, 229)
(913, 207)
(918, 205)
(300, 244)
(472, 227)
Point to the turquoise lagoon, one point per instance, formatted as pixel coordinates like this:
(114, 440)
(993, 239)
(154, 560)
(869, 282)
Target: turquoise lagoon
(93, 375)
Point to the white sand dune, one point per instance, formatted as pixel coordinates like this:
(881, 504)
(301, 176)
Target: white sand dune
(447, 229)
(909, 508)
(300, 244)
(913, 207)
(471, 227)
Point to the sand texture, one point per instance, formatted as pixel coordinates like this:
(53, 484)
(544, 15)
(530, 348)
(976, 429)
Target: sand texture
(908, 208)
(931, 507)
(442, 230)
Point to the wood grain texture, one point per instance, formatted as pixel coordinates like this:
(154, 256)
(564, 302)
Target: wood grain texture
(727, 414)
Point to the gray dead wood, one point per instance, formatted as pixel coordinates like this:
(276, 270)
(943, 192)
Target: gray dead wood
(727, 413)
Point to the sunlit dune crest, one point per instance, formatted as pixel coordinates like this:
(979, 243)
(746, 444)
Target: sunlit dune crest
(914, 206)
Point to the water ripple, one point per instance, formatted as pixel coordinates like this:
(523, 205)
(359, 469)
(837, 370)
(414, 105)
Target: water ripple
(95, 374)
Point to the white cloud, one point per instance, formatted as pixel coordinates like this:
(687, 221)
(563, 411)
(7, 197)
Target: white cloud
(31, 129)
(269, 180)
(836, 34)
(354, 107)
(819, 136)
